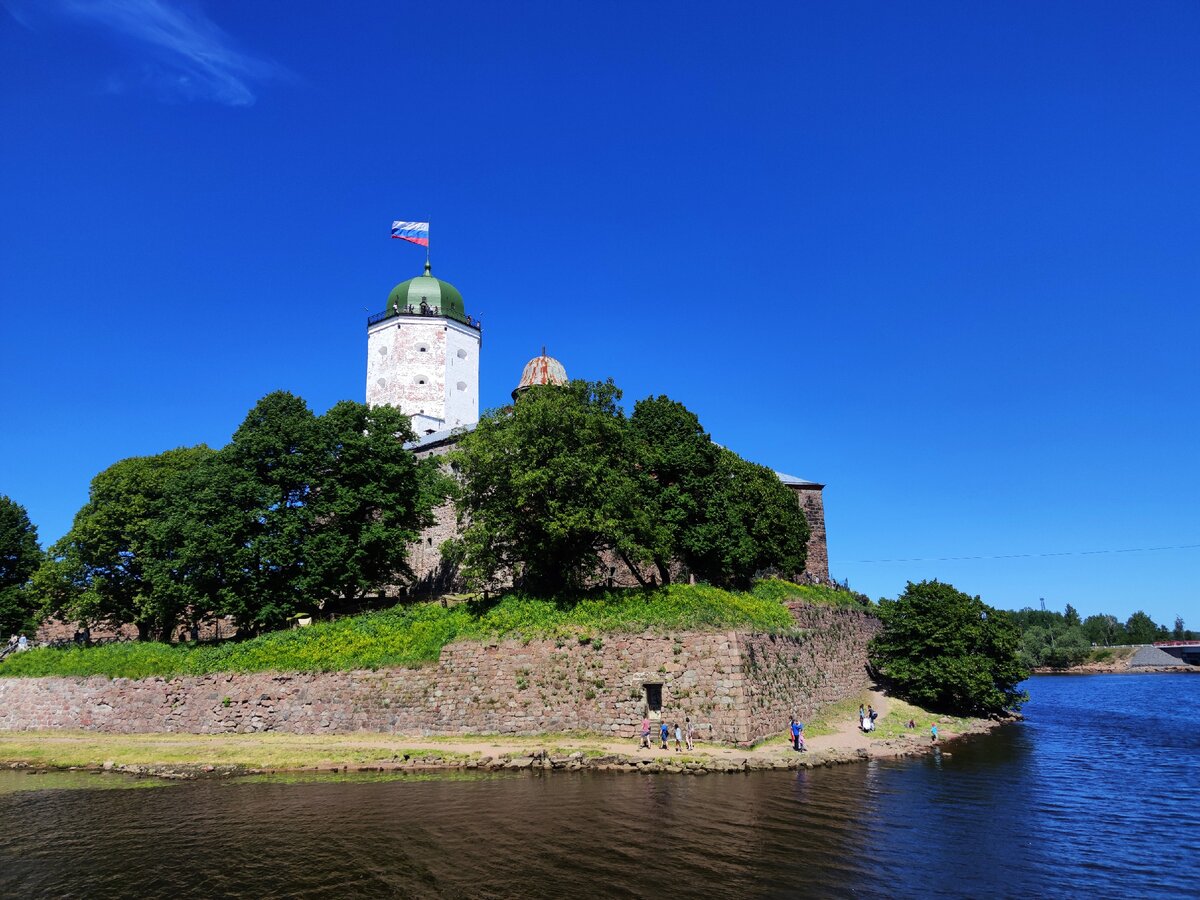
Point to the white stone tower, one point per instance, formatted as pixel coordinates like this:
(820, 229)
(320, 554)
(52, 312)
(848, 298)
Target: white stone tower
(423, 355)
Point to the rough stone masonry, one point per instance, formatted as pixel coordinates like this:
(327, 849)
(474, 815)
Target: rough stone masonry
(736, 686)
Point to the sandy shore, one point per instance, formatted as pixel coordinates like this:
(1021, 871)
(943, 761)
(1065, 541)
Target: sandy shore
(832, 740)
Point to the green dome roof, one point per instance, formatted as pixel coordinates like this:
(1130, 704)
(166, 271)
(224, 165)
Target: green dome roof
(437, 294)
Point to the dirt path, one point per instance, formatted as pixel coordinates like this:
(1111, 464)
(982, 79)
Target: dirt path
(286, 752)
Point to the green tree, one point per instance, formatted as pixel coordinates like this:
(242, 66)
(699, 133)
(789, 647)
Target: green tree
(1104, 629)
(546, 487)
(1179, 634)
(751, 523)
(1071, 647)
(1058, 648)
(370, 498)
(676, 464)
(20, 556)
(1071, 617)
(1141, 629)
(119, 562)
(1035, 647)
(942, 648)
(1042, 618)
(265, 478)
(300, 512)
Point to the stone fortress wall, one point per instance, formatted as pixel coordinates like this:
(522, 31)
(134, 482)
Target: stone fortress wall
(738, 687)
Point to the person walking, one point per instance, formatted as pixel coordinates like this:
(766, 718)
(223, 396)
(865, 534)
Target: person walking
(794, 727)
(645, 733)
(663, 732)
(933, 739)
(688, 732)
(678, 738)
(862, 714)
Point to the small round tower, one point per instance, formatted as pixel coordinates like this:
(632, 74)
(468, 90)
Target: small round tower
(541, 370)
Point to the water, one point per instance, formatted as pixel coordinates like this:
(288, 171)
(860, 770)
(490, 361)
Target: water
(1096, 794)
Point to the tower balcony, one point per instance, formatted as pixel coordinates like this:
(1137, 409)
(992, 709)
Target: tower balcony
(424, 310)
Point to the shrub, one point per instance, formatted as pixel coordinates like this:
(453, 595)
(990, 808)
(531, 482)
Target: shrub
(944, 649)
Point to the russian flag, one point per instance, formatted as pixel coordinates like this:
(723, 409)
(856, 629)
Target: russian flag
(414, 232)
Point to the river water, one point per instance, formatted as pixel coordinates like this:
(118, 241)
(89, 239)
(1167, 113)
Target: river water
(1097, 793)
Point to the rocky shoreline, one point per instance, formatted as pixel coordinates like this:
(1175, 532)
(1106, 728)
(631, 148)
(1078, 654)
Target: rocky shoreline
(1117, 669)
(541, 760)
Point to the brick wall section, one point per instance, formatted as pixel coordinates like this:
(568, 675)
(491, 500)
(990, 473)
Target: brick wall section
(812, 502)
(737, 687)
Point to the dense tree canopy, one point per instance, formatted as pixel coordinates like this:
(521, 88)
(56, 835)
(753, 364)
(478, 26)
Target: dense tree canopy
(751, 523)
(553, 482)
(945, 649)
(546, 487)
(119, 562)
(1141, 629)
(1061, 640)
(1058, 648)
(296, 512)
(20, 556)
(1104, 630)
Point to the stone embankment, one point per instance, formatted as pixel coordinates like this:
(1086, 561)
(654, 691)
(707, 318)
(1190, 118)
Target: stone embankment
(1143, 660)
(736, 687)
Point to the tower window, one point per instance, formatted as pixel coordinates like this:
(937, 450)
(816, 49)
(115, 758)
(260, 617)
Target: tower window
(462, 385)
(462, 354)
(422, 348)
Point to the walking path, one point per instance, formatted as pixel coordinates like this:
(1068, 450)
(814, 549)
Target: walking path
(837, 739)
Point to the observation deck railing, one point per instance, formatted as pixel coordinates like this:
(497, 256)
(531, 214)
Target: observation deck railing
(423, 310)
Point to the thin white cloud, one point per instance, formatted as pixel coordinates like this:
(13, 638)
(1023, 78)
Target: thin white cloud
(190, 56)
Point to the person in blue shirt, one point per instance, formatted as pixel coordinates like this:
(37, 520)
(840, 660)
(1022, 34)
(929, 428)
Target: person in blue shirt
(933, 733)
(795, 727)
(663, 730)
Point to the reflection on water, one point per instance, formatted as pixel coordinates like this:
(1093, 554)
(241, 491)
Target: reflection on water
(1069, 803)
(26, 781)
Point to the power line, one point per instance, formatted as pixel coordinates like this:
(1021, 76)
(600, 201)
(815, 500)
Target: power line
(1026, 555)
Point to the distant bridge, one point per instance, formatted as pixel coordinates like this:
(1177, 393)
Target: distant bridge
(1188, 651)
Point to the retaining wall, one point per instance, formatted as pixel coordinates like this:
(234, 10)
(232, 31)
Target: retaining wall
(736, 686)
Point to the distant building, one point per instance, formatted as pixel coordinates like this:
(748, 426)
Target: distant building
(423, 358)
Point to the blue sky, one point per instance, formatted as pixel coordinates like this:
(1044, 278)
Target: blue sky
(942, 259)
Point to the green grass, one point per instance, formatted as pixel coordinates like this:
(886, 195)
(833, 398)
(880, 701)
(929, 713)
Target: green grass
(414, 635)
(822, 595)
(1109, 654)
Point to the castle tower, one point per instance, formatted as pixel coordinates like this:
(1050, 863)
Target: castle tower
(423, 355)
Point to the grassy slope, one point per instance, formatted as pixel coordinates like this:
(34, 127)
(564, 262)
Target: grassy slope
(415, 635)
